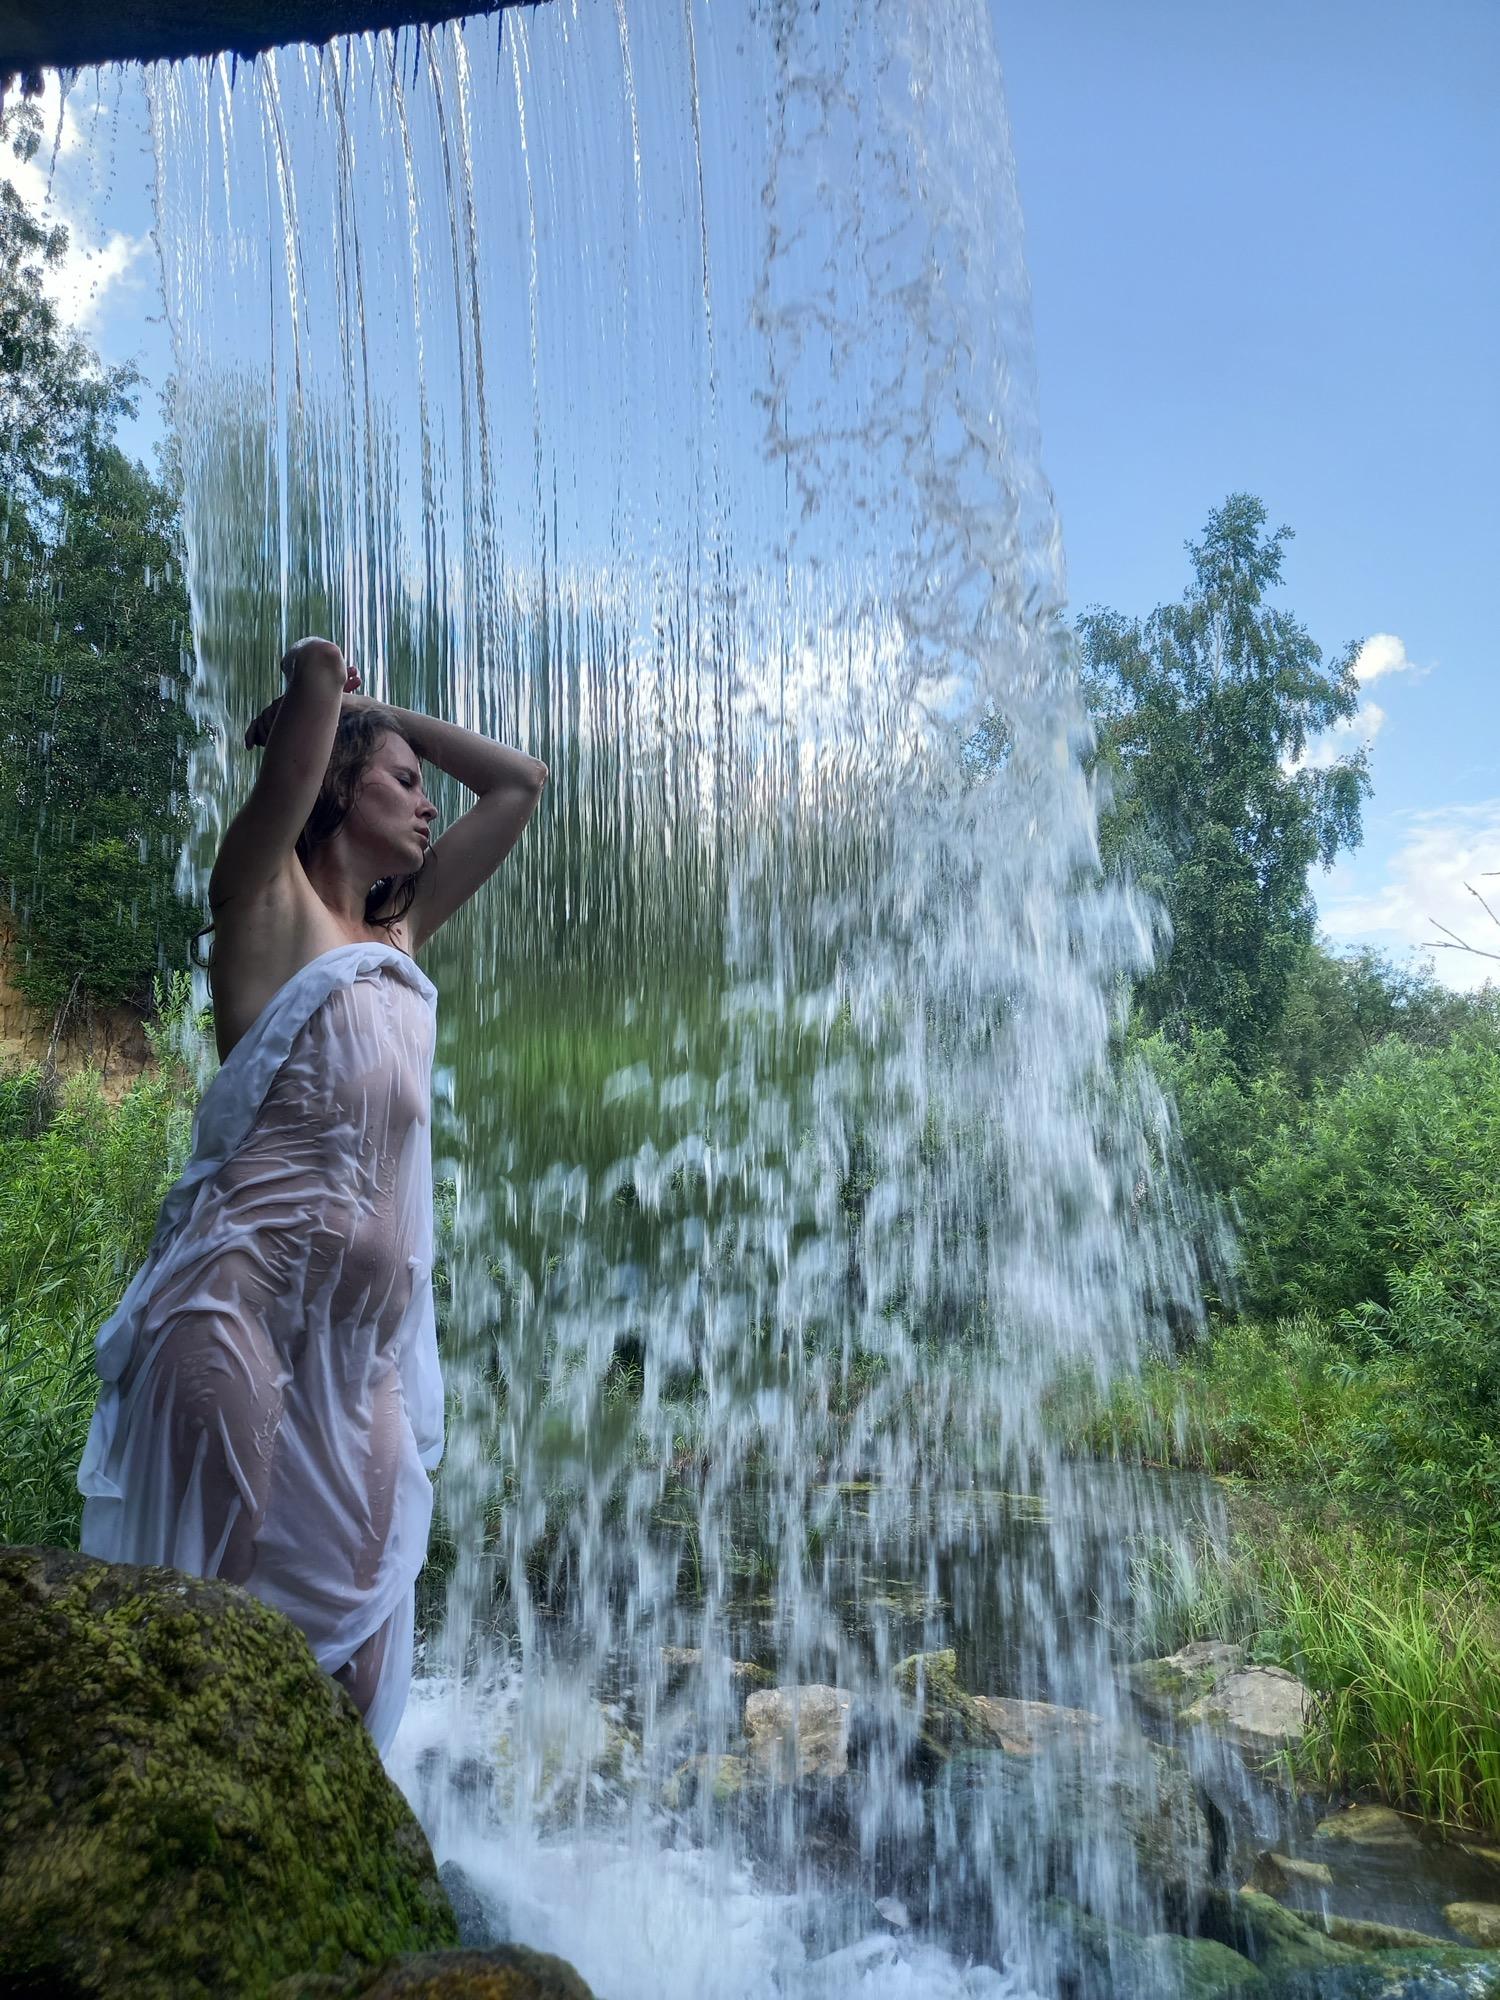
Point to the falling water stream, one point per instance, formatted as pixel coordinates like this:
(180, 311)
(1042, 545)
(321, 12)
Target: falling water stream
(651, 386)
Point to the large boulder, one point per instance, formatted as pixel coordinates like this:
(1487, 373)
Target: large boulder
(189, 1806)
(1053, 1800)
(1118, 1817)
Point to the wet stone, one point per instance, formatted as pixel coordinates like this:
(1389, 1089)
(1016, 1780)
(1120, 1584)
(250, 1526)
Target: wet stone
(481, 1922)
(718, 1778)
(1167, 1686)
(1478, 1922)
(1367, 1936)
(1285, 1874)
(1026, 1727)
(680, 1661)
(799, 1732)
(1260, 1709)
(1368, 1826)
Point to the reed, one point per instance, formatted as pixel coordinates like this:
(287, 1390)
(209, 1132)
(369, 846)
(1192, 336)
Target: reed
(1407, 1671)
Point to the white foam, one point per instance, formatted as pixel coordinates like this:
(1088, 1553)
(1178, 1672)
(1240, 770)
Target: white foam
(647, 1921)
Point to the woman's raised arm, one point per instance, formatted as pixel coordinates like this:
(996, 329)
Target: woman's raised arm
(297, 731)
(509, 784)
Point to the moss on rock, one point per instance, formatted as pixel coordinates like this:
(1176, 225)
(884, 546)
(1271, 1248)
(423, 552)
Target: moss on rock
(509, 1972)
(189, 1806)
(1138, 1967)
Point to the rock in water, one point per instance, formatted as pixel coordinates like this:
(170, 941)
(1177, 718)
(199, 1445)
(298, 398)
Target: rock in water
(1286, 1874)
(1477, 1921)
(1262, 1709)
(1368, 1826)
(482, 1924)
(799, 1732)
(189, 1807)
(1166, 1687)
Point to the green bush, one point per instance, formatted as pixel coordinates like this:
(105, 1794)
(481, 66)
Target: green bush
(1433, 1440)
(1373, 1179)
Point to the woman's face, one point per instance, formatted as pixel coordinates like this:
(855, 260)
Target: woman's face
(391, 815)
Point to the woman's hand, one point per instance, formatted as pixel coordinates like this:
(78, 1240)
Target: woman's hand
(321, 651)
(257, 735)
(312, 652)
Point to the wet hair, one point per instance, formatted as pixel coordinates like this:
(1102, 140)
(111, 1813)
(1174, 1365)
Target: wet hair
(355, 742)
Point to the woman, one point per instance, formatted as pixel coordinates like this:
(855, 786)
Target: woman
(271, 1404)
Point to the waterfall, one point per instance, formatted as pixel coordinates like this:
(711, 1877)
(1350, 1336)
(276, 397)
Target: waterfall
(652, 386)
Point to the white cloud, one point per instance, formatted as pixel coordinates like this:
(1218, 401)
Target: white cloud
(1424, 888)
(97, 266)
(1382, 653)
(1355, 732)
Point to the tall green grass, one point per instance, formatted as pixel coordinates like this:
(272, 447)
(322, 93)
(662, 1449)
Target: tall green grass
(81, 1180)
(1401, 1651)
(1406, 1667)
(1272, 1403)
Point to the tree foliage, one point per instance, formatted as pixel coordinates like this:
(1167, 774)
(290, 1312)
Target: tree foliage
(94, 660)
(1369, 1181)
(1207, 711)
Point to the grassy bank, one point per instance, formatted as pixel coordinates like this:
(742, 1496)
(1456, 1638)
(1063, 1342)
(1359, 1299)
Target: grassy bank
(81, 1179)
(1340, 1565)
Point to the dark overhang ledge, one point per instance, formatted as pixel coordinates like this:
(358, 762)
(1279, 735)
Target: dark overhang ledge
(36, 35)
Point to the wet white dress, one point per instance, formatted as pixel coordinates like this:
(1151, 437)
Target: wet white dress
(271, 1403)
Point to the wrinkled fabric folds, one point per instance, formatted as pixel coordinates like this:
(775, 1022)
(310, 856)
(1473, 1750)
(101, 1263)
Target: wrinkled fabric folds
(271, 1404)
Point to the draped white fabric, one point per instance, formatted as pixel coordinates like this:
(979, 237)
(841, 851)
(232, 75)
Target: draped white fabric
(271, 1403)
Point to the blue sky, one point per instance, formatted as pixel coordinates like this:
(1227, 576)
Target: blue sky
(1264, 243)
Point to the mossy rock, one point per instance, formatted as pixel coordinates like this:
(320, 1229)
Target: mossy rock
(1276, 1939)
(1137, 1967)
(1064, 1822)
(189, 1806)
(1381, 1979)
(1302, 1962)
(1367, 1935)
(721, 1779)
(950, 1718)
(509, 1972)
(1167, 1686)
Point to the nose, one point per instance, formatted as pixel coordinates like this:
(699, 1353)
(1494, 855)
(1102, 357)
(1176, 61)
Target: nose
(427, 811)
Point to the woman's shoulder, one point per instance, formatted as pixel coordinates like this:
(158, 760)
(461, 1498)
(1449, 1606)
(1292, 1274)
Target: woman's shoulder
(258, 953)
